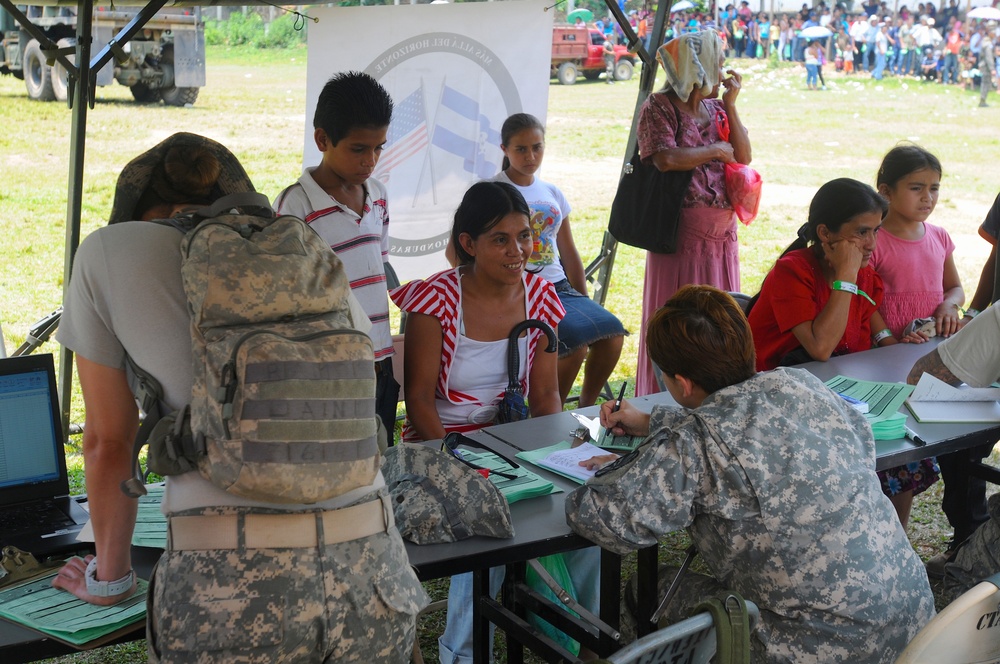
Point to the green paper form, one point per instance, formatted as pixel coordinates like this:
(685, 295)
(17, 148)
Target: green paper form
(150, 521)
(36, 604)
(884, 401)
(527, 484)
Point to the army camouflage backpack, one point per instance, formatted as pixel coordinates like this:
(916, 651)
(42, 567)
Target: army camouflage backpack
(283, 402)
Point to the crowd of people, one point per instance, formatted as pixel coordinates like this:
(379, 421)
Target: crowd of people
(771, 473)
(931, 44)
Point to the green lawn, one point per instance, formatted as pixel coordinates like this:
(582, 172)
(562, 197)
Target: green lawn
(254, 103)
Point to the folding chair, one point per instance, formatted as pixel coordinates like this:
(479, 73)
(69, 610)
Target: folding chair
(966, 632)
(691, 641)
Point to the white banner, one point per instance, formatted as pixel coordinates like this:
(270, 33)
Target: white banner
(455, 72)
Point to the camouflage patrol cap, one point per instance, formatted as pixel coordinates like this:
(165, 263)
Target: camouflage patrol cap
(435, 498)
(136, 177)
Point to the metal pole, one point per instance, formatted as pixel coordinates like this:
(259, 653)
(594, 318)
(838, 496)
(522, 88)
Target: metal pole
(647, 79)
(81, 97)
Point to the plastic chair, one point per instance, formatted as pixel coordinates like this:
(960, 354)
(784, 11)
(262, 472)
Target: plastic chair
(691, 641)
(966, 632)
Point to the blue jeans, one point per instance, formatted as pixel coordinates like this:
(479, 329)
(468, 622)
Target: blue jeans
(455, 645)
(879, 66)
(950, 68)
(812, 73)
(896, 62)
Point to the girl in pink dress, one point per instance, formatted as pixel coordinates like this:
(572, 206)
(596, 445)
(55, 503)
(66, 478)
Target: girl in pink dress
(914, 258)
(915, 261)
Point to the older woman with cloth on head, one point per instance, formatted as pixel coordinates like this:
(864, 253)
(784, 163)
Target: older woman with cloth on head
(678, 131)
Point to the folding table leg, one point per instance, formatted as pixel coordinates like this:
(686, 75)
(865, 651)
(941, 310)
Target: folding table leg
(508, 596)
(480, 626)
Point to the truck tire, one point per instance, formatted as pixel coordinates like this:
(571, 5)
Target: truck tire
(567, 73)
(60, 77)
(623, 70)
(37, 74)
(143, 94)
(175, 96)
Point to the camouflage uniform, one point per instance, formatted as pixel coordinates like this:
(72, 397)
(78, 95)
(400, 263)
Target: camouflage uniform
(349, 602)
(353, 601)
(774, 478)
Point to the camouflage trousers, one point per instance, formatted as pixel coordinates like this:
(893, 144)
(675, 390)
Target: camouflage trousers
(349, 602)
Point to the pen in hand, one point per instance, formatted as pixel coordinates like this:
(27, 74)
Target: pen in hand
(618, 405)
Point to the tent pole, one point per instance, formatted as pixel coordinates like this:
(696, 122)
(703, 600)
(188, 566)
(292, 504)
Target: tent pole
(647, 79)
(80, 99)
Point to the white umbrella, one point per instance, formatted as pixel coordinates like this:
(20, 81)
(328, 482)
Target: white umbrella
(987, 13)
(815, 32)
(681, 6)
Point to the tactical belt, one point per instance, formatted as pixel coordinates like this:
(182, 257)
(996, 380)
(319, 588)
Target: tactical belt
(279, 531)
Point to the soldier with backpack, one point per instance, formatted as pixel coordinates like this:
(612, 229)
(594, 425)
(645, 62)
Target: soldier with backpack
(266, 558)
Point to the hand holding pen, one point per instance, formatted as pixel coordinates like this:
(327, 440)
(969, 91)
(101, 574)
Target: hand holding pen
(621, 418)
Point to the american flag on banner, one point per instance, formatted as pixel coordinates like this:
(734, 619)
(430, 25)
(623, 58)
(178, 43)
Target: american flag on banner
(407, 133)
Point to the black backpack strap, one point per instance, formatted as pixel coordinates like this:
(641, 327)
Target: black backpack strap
(148, 395)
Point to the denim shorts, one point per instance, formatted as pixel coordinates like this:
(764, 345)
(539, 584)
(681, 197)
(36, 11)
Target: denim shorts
(586, 321)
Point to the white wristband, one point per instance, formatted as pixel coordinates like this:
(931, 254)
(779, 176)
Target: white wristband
(107, 588)
(884, 334)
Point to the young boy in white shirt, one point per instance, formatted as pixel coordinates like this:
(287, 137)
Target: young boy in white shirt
(348, 208)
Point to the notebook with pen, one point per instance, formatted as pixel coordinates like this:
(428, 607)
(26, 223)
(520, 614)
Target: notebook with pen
(37, 514)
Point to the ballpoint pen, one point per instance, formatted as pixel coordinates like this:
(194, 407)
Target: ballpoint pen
(621, 395)
(618, 404)
(911, 435)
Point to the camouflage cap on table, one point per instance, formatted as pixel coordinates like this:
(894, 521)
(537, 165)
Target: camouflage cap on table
(135, 177)
(436, 498)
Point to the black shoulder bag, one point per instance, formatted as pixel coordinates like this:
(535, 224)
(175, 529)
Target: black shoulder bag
(647, 206)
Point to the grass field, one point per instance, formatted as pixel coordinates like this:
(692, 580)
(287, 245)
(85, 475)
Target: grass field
(254, 103)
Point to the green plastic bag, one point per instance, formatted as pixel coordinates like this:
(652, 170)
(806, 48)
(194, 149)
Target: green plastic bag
(556, 566)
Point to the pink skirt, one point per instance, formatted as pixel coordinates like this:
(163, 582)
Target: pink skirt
(707, 253)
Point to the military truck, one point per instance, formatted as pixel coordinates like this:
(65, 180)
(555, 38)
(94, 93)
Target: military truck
(164, 61)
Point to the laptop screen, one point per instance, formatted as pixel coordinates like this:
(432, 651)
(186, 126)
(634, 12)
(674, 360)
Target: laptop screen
(31, 448)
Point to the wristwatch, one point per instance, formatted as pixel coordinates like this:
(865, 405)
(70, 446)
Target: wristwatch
(107, 588)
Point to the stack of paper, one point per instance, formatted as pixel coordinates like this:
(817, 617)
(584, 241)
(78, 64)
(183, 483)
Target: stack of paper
(150, 521)
(933, 400)
(526, 483)
(883, 400)
(36, 604)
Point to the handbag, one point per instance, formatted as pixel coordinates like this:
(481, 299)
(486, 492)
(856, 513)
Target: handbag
(512, 406)
(647, 206)
(743, 184)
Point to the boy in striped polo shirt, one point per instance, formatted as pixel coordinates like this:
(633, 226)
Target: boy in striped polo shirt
(347, 207)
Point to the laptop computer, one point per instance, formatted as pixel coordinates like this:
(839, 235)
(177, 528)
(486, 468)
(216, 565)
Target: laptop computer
(37, 514)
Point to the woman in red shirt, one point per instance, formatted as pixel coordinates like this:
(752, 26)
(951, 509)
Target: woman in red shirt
(821, 298)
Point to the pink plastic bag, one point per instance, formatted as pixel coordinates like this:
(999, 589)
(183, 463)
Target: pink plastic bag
(743, 184)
